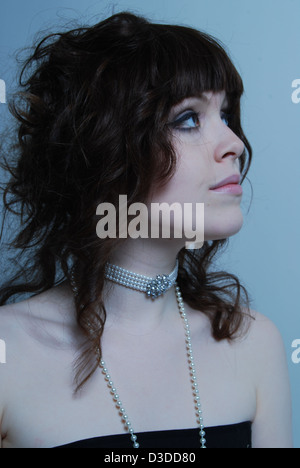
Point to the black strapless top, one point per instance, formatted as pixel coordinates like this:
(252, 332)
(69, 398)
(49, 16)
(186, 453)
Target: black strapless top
(230, 436)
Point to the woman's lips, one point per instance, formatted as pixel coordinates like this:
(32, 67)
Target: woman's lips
(229, 185)
(234, 189)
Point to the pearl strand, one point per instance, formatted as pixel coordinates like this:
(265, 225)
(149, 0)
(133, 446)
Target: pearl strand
(119, 404)
(189, 350)
(195, 388)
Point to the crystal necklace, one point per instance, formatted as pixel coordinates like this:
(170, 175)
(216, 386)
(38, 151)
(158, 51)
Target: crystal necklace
(190, 357)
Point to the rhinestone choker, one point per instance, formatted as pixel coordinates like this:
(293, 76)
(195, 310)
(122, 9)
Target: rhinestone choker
(153, 287)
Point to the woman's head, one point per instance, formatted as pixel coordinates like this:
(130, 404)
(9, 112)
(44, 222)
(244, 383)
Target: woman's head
(100, 102)
(96, 119)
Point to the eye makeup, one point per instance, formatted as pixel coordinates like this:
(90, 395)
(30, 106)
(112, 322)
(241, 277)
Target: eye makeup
(189, 120)
(186, 121)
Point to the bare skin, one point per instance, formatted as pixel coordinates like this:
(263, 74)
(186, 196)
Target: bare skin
(245, 380)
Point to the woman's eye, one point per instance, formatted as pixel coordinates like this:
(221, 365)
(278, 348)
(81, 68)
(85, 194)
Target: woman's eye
(225, 118)
(189, 121)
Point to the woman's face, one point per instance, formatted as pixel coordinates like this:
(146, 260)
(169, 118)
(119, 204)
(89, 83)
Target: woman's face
(208, 169)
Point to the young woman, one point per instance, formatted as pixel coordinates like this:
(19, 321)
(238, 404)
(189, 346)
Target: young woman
(150, 111)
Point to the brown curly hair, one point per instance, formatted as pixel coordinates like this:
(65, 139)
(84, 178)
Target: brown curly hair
(92, 116)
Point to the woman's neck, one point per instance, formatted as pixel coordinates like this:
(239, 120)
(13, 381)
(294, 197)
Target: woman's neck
(132, 309)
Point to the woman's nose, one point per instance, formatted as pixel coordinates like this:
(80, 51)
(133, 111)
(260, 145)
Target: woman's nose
(230, 145)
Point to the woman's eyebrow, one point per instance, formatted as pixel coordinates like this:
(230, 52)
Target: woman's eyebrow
(187, 102)
(193, 101)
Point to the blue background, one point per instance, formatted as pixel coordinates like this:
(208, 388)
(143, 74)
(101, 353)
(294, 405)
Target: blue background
(263, 37)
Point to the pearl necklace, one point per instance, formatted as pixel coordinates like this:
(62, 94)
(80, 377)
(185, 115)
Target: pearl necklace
(153, 287)
(190, 358)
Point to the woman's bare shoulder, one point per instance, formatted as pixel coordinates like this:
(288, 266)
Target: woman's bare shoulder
(39, 333)
(41, 318)
(262, 345)
(55, 304)
(266, 350)
(261, 332)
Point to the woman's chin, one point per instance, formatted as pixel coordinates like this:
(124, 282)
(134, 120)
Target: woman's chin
(223, 228)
